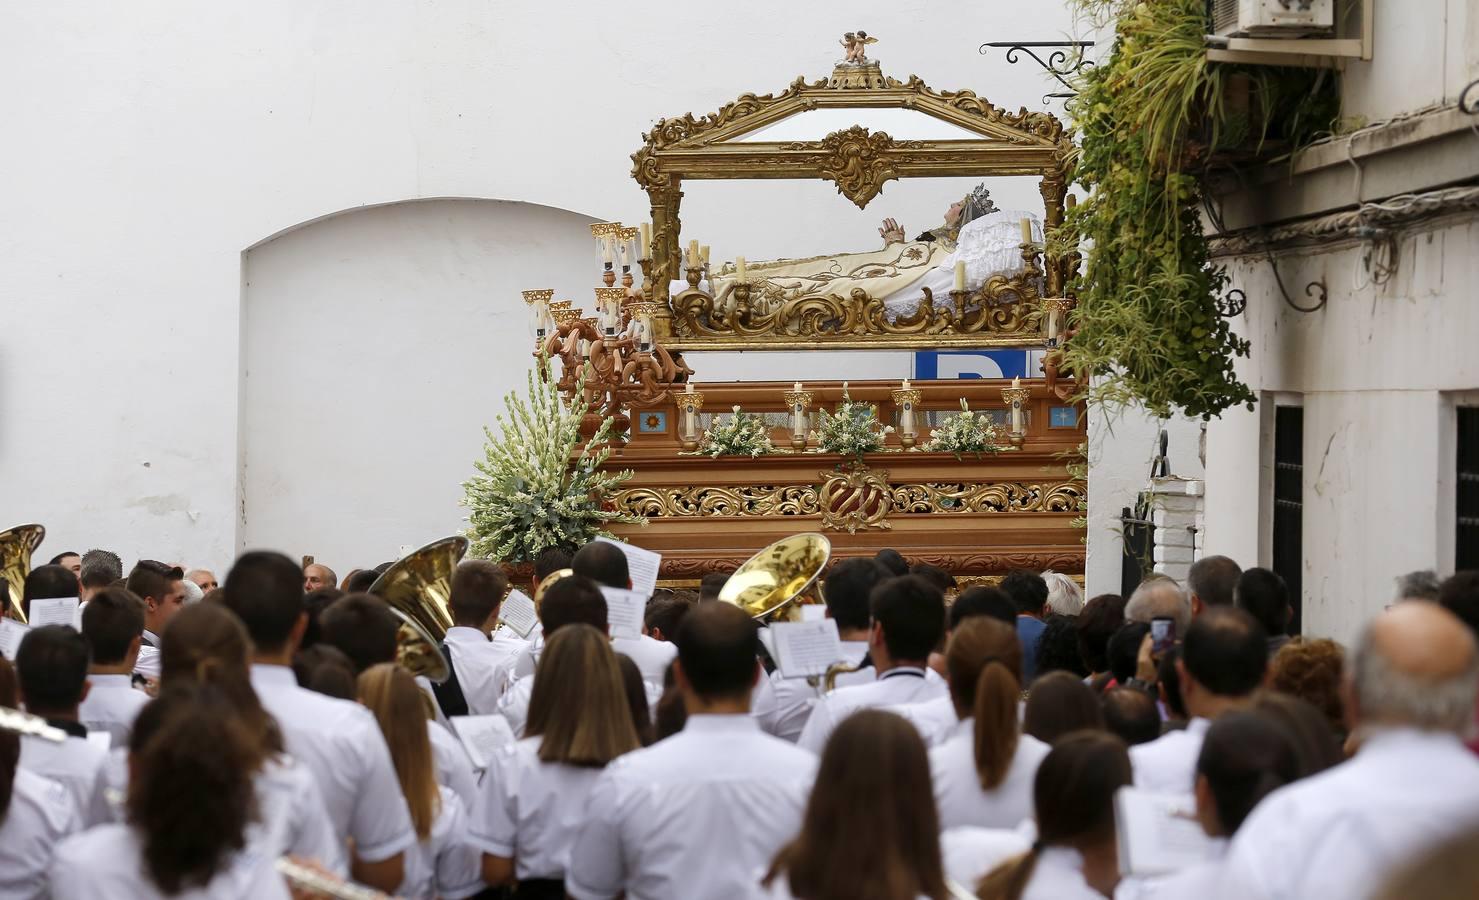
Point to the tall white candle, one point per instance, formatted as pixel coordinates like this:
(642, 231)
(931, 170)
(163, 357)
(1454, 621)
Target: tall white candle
(645, 230)
(739, 267)
(703, 255)
(690, 387)
(960, 275)
(906, 384)
(693, 254)
(796, 387)
(1026, 231)
(608, 248)
(1016, 382)
(1052, 324)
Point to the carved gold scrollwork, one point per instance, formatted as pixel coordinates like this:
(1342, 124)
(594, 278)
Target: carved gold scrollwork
(727, 502)
(999, 497)
(856, 160)
(854, 499)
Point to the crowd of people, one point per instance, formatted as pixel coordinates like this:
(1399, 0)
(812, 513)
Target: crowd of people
(968, 742)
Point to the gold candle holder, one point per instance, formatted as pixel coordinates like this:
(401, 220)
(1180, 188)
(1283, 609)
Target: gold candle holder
(1052, 310)
(798, 402)
(538, 302)
(905, 400)
(689, 403)
(608, 309)
(1015, 398)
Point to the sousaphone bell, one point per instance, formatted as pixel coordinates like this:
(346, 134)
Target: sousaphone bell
(16, 546)
(774, 583)
(418, 589)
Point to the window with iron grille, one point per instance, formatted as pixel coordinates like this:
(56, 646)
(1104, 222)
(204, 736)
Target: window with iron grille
(1288, 526)
(1466, 538)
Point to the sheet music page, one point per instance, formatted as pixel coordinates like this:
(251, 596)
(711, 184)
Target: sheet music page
(482, 736)
(805, 649)
(518, 613)
(53, 611)
(625, 611)
(642, 565)
(11, 633)
(1159, 833)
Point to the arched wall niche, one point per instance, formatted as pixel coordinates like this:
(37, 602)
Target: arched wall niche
(375, 345)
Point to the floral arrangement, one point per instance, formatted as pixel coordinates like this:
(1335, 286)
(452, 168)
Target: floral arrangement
(742, 434)
(853, 430)
(964, 432)
(537, 487)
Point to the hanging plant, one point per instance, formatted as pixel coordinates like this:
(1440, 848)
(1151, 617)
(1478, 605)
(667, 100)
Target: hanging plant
(538, 486)
(1146, 327)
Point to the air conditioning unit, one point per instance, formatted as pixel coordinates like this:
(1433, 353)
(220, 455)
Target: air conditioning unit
(1272, 18)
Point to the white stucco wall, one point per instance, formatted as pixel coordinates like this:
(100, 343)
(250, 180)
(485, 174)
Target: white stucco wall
(1424, 52)
(1377, 369)
(148, 145)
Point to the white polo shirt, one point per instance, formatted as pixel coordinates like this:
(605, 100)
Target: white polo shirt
(41, 814)
(1059, 875)
(1168, 764)
(292, 819)
(445, 865)
(679, 818)
(958, 792)
(483, 665)
(651, 655)
(111, 705)
(73, 763)
(108, 861)
(897, 686)
(782, 705)
(531, 811)
(935, 719)
(341, 744)
(1344, 832)
(454, 767)
(514, 704)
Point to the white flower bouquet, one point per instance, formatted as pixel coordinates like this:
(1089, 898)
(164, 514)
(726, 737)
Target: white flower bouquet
(742, 434)
(853, 430)
(964, 432)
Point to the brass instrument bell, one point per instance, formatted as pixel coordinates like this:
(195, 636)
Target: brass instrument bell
(16, 546)
(547, 582)
(418, 589)
(783, 576)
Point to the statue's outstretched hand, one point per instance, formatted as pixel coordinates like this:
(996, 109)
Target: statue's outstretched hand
(891, 232)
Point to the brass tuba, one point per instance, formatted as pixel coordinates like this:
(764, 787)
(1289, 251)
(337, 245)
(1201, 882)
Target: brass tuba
(16, 546)
(774, 582)
(418, 589)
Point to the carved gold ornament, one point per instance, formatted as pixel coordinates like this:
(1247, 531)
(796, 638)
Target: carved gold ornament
(856, 160)
(855, 498)
(807, 500)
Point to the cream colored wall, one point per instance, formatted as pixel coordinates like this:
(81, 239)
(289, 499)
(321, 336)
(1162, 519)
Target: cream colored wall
(148, 145)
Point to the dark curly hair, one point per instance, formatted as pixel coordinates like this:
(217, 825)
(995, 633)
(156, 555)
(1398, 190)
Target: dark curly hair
(1310, 669)
(1057, 647)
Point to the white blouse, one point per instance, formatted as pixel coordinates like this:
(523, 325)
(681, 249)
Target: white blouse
(41, 814)
(111, 705)
(531, 811)
(108, 861)
(958, 790)
(444, 865)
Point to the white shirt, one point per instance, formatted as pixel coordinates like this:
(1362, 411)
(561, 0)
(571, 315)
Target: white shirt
(444, 865)
(1168, 764)
(514, 704)
(1059, 875)
(680, 818)
(453, 765)
(958, 790)
(291, 820)
(341, 744)
(531, 811)
(41, 814)
(895, 687)
(111, 705)
(935, 719)
(1202, 880)
(482, 665)
(527, 659)
(108, 861)
(1343, 832)
(650, 654)
(969, 853)
(73, 763)
(782, 705)
(147, 665)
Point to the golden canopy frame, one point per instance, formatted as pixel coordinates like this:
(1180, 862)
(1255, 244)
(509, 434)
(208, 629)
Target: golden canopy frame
(859, 162)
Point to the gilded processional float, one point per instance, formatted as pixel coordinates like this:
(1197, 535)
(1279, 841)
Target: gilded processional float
(975, 476)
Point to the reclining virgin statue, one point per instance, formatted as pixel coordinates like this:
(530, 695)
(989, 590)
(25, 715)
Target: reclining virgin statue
(974, 231)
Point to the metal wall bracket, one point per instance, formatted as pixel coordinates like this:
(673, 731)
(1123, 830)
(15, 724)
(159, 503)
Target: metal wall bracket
(1067, 59)
(1468, 99)
(1232, 304)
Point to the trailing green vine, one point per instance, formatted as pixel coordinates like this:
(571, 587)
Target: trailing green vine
(1146, 327)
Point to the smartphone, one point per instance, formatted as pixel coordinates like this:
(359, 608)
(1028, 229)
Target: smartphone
(1162, 635)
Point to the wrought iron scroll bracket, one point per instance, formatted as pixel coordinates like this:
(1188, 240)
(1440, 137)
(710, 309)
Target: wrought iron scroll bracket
(1232, 304)
(1468, 99)
(1314, 288)
(1065, 59)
